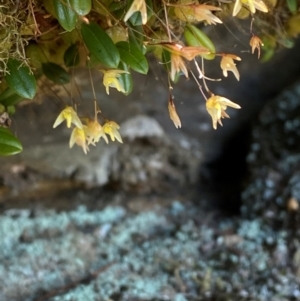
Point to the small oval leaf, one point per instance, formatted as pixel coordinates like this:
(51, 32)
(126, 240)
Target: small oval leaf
(125, 79)
(71, 56)
(56, 73)
(9, 144)
(9, 98)
(20, 79)
(196, 37)
(133, 57)
(81, 7)
(65, 15)
(292, 5)
(100, 45)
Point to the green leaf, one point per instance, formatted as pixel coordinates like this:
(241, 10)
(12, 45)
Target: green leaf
(196, 37)
(136, 37)
(117, 5)
(125, 79)
(81, 7)
(20, 79)
(9, 98)
(136, 18)
(133, 57)
(9, 144)
(100, 45)
(56, 73)
(71, 56)
(65, 15)
(292, 5)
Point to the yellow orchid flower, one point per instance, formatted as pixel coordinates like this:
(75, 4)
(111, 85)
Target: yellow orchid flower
(216, 106)
(110, 79)
(177, 65)
(253, 5)
(70, 115)
(255, 43)
(111, 128)
(94, 131)
(137, 5)
(227, 64)
(78, 136)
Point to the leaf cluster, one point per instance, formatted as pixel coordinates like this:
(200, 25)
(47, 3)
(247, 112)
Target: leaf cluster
(49, 38)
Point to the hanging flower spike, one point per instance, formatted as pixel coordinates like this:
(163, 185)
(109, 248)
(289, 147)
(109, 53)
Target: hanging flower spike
(196, 13)
(173, 114)
(188, 52)
(216, 106)
(137, 5)
(78, 137)
(110, 79)
(177, 65)
(94, 132)
(111, 128)
(178, 52)
(227, 64)
(251, 4)
(70, 115)
(255, 43)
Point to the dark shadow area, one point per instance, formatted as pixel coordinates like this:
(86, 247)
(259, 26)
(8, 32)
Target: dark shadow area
(224, 169)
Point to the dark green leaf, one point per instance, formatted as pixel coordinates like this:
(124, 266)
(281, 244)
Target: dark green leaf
(20, 79)
(56, 73)
(133, 57)
(292, 5)
(136, 18)
(125, 79)
(117, 5)
(9, 98)
(65, 15)
(136, 37)
(71, 56)
(9, 144)
(100, 45)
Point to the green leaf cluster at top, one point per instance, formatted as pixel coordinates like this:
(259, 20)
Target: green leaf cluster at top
(123, 55)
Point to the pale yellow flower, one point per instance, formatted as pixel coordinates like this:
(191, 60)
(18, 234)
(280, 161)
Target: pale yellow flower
(196, 13)
(255, 43)
(177, 65)
(70, 115)
(137, 5)
(78, 137)
(227, 64)
(110, 79)
(216, 106)
(253, 5)
(111, 128)
(94, 131)
(173, 114)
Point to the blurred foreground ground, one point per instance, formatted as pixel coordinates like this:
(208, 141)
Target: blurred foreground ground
(120, 224)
